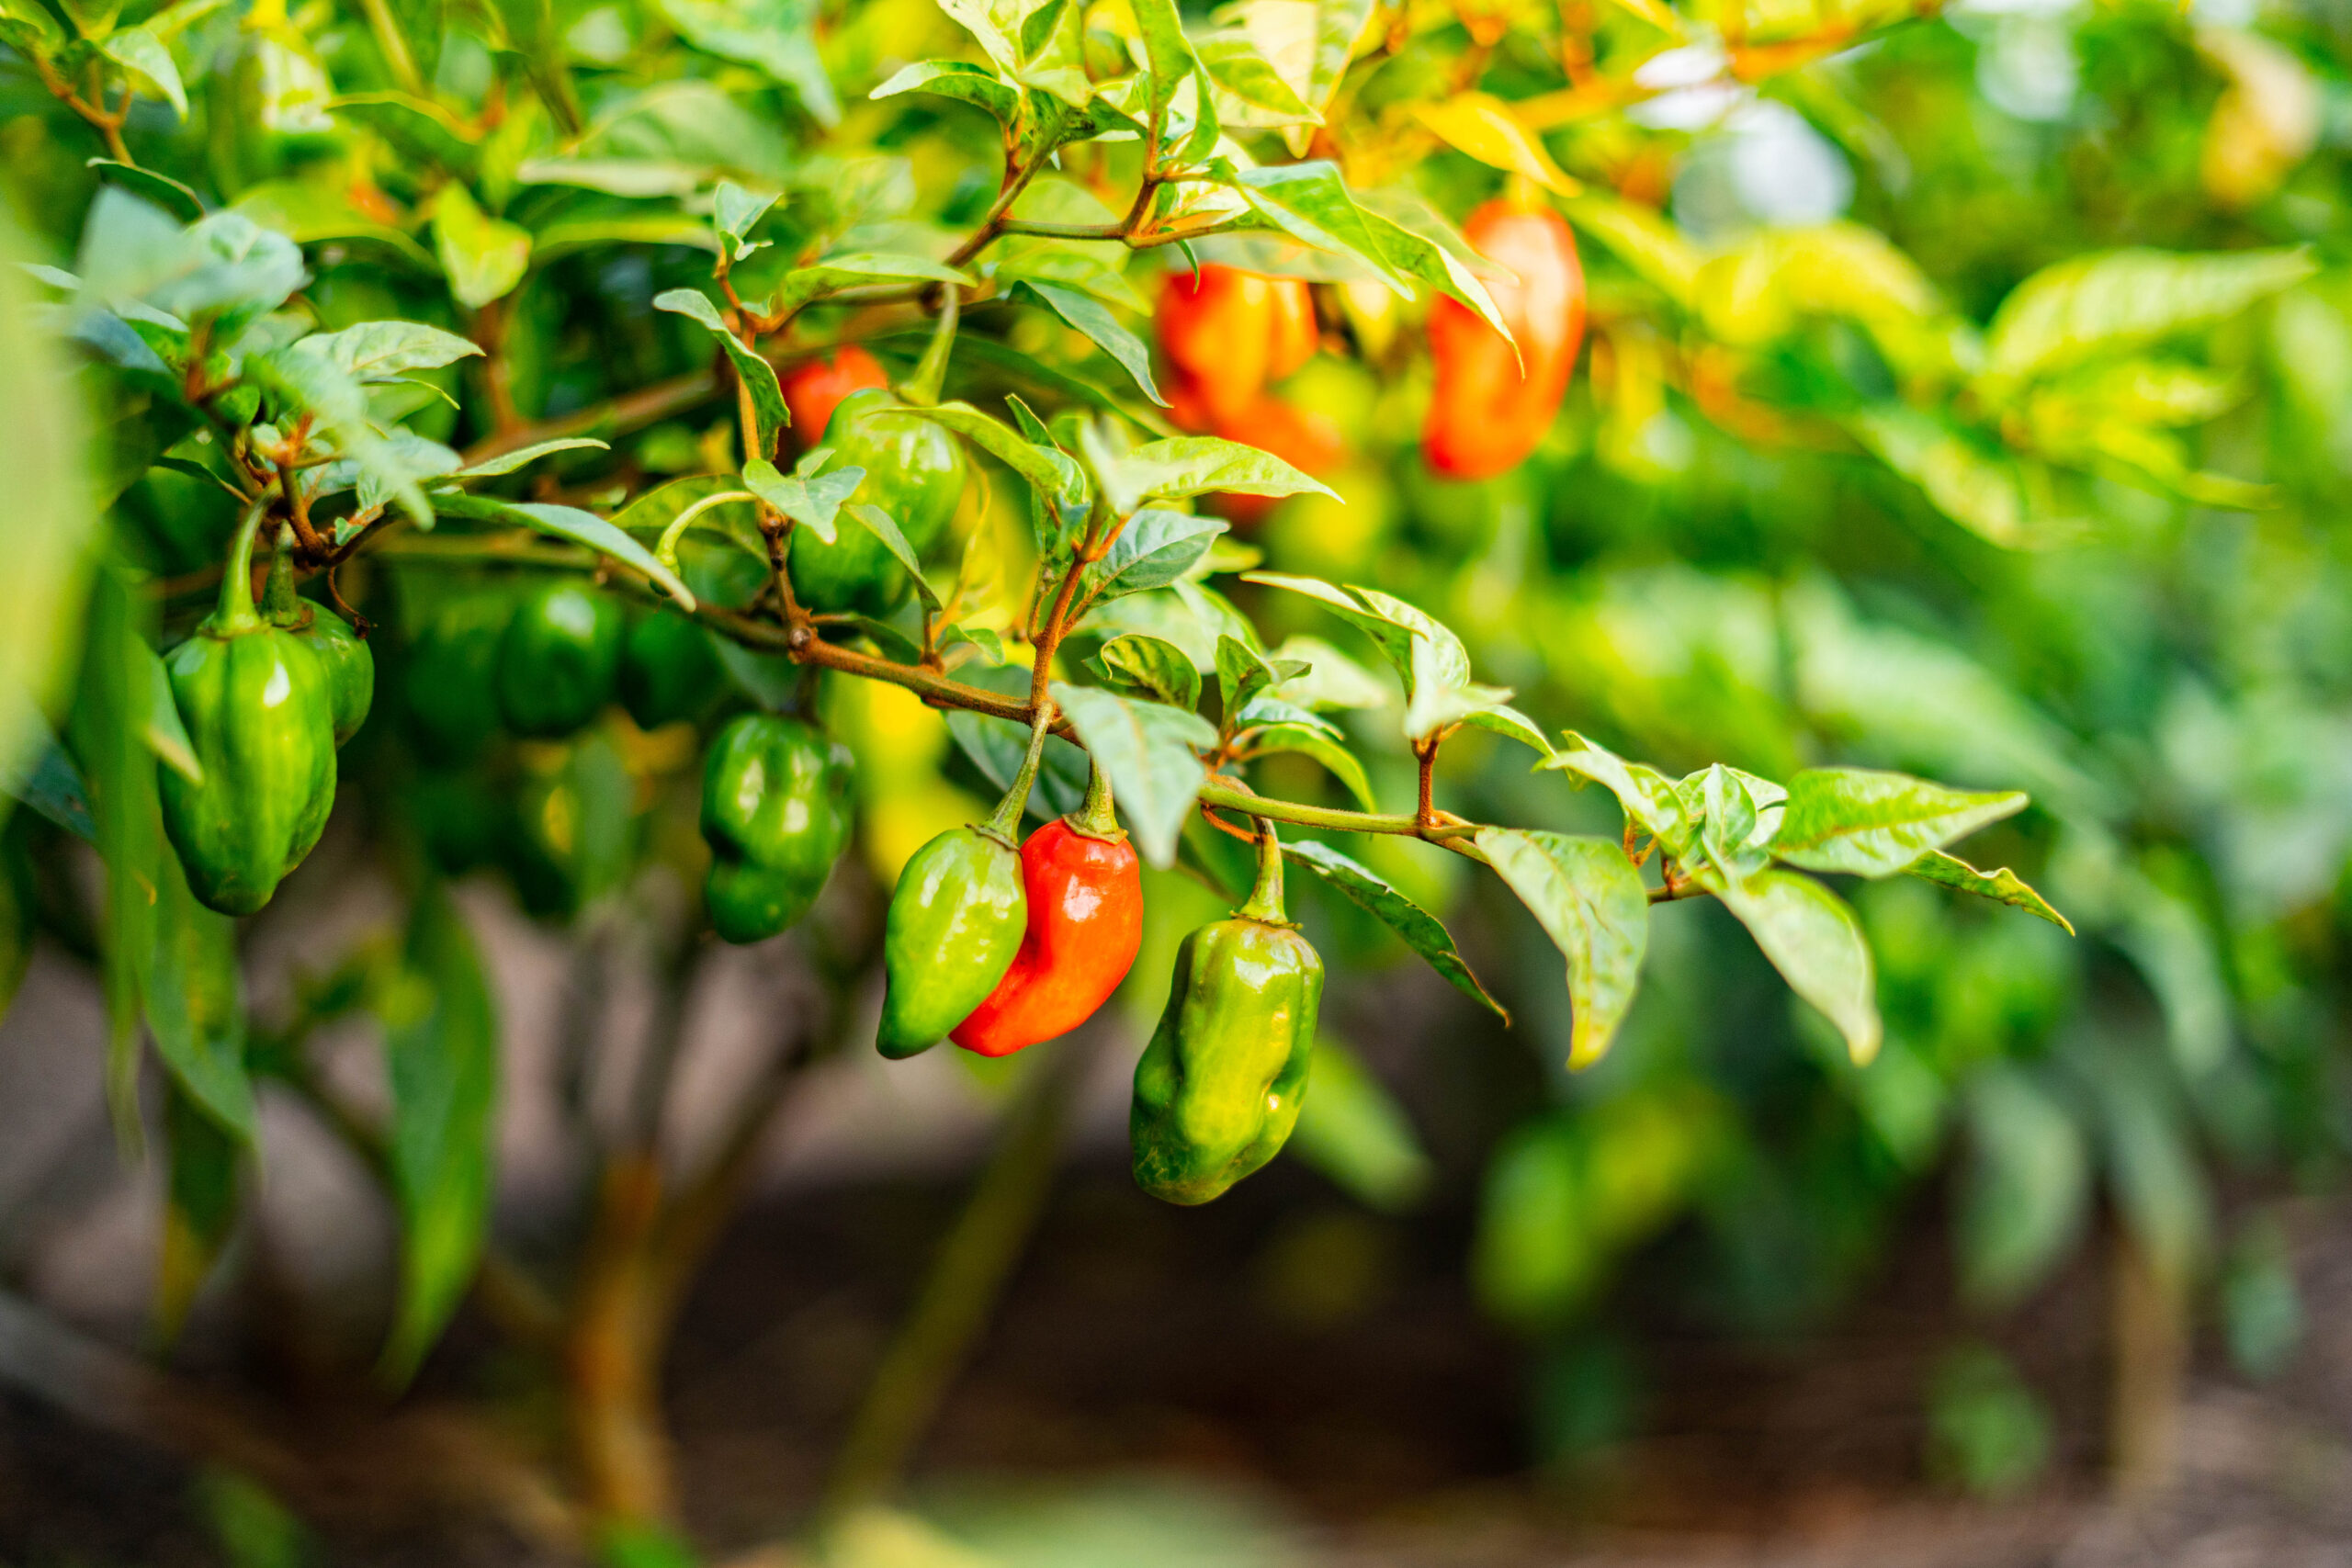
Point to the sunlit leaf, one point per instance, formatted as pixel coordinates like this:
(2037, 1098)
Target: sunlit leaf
(1589, 900)
(1875, 824)
(1814, 940)
(2003, 886)
(1147, 750)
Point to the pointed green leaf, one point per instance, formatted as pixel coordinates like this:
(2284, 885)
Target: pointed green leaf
(811, 502)
(959, 79)
(879, 524)
(1147, 750)
(1875, 824)
(1647, 795)
(1153, 550)
(148, 62)
(1590, 902)
(1814, 940)
(1371, 892)
(2114, 300)
(485, 257)
(1152, 667)
(1088, 316)
(579, 527)
(1344, 764)
(384, 351)
(507, 462)
(195, 1003)
(2003, 886)
(769, 414)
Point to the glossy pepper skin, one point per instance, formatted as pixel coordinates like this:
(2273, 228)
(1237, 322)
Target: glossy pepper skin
(955, 922)
(813, 390)
(350, 667)
(1085, 896)
(776, 811)
(1219, 1087)
(1230, 333)
(450, 679)
(1485, 417)
(667, 671)
(259, 717)
(559, 659)
(914, 470)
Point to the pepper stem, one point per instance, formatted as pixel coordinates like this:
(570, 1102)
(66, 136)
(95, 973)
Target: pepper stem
(1095, 817)
(922, 389)
(1266, 899)
(280, 605)
(1006, 823)
(235, 611)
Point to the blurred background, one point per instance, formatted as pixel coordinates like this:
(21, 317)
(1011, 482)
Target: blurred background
(2063, 1276)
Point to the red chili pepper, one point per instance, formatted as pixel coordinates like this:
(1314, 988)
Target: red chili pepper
(1230, 333)
(813, 390)
(1485, 415)
(1085, 892)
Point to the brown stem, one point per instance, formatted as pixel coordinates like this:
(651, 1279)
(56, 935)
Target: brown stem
(612, 1381)
(1425, 754)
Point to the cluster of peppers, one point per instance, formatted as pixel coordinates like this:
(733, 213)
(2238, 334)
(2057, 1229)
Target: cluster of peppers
(266, 697)
(1228, 336)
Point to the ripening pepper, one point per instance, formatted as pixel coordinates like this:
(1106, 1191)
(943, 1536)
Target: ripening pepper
(255, 703)
(776, 811)
(1230, 334)
(350, 667)
(1219, 1087)
(914, 471)
(559, 659)
(957, 920)
(1485, 415)
(1084, 890)
(813, 390)
(667, 671)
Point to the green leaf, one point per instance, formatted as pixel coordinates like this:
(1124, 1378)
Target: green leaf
(579, 527)
(52, 785)
(1372, 893)
(1353, 1131)
(148, 62)
(778, 37)
(110, 708)
(1507, 720)
(384, 351)
(1241, 673)
(879, 522)
(1167, 54)
(2025, 1191)
(1200, 465)
(2003, 886)
(1152, 667)
(769, 414)
(1146, 751)
(1088, 316)
(1049, 472)
(2115, 300)
(1980, 489)
(1331, 680)
(485, 257)
(809, 501)
(199, 1207)
(161, 725)
(735, 211)
(1438, 692)
(441, 1047)
(1738, 816)
(1875, 824)
(1343, 763)
(1234, 63)
(1646, 795)
(507, 462)
(1153, 550)
(1590, 902)
(1814, 940)
(195, 1003)
(303, 379)
(1394, 640)
(1312, 204)
(960, 80)
(834, 272)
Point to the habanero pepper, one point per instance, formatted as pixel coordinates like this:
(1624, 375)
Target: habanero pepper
(559, 659)
(813, 390)
(1487, 413)
(957, 921)
(668, 669)
(1220, 1086)
(255, 701)
(1230, 333)
(914, 470)
(1084, 889)
(775, 813)
(350, 667)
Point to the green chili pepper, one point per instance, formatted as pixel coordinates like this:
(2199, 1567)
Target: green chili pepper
(1219, 1087)
(957, 921)
(350, 667)
(450, 682)
(667, 671)
(775, 811)
(256, 702)
(914, 470)
(559, 660)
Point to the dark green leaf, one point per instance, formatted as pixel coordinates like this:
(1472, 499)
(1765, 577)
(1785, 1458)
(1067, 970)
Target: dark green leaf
(1422, 932)
(1088, 315)
(879, 522)
(1151, 667)
(1153, 550)
(195, 1003)
(199, 1207)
